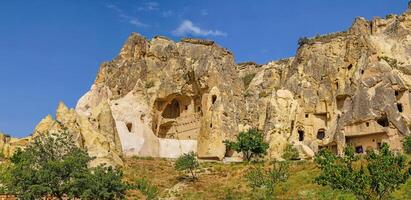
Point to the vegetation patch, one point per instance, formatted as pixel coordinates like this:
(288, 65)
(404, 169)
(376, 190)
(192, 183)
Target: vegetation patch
(247, 79)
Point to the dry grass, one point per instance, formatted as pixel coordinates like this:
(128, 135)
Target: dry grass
(220, 181)
(226, 181)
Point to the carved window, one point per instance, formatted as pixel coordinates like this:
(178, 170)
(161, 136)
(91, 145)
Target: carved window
(129, 126)
(359, 149)
(321, 134)
(300, 135)
(213, 99)
(399, 106)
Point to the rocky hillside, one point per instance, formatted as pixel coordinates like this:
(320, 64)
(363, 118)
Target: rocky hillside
(163, 98)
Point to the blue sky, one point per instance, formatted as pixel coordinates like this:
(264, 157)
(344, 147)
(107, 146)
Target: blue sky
(50, 50)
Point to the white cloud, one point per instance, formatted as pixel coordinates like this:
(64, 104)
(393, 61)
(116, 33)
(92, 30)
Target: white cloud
(130, 19)
(149, 6)
(204, 12)
(188, 28)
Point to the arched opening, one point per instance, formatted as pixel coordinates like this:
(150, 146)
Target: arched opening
(321, 134)
(175, 116)
(164, 129)
(383, 121)
(129, 127)
(359, 149)
(172, 110)
(213, 99)
(300, 135)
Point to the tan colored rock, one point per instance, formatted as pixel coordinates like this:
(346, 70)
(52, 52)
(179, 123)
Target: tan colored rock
(163, 98)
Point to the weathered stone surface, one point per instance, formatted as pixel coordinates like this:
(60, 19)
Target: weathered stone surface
(164, 98)
(96, 133)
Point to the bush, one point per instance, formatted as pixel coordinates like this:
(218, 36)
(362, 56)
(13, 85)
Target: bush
(247, 79)
(149, 190)
(53, 166)
(290, 153)
(264, 181)
(376, 177)
(187, 162)
(149, 84)
(302, 41)
(407, 144)
(251, 143)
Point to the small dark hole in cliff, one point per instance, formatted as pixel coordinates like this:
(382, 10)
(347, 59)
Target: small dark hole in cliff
(213, 98)
(349, 67)
(367, 124)
(359, 149)
(300, 135)
(362, 71)
(383, 121)
(129, 126)
(397, 93)
(306, 115)
(321, 134)
(211, 125)
(399, 106)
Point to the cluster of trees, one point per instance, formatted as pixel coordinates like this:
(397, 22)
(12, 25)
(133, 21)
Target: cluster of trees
(53, 166)
(374, 175)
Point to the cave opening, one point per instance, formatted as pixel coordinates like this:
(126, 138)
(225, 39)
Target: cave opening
(383, 121)
(213, 99)
(300, 135)
(129, 127)
(399, 106)
(321, 134)
(177, 117)
(172, 110)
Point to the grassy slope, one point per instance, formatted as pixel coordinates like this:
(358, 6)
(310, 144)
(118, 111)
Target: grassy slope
(220, 181)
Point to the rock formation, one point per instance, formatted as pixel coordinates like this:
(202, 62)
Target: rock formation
(163, 98)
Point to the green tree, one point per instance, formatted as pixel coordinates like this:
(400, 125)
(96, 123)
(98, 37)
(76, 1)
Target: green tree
(264, 181)
(251, 143)
(53, 166)
(376, 177)
(187, 162)
(407, 144)
(290, 153)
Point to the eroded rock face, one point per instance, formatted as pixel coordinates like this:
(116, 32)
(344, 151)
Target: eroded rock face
(346, 88)
(169, 98)
(163, 98)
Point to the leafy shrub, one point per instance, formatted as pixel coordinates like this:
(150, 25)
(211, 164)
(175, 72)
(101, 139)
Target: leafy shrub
(53, 166)
(290, 153)
(187, 162)
(149, 190)
(251, 143)
(376, 177)
(302, 41)
(391, 61)
(247, 79)
(264, 181)
(407, 144)
(149, 84)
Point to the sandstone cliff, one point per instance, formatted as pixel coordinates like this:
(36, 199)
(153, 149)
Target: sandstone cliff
(164, 98)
